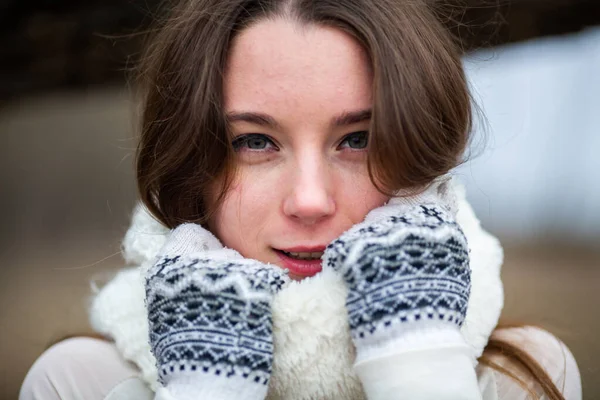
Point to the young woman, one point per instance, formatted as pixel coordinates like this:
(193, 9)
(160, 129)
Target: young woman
(310, 243)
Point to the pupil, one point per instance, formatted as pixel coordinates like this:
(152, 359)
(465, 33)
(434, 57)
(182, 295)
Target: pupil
(257, 143)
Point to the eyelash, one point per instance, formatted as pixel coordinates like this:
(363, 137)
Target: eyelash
(242, 141)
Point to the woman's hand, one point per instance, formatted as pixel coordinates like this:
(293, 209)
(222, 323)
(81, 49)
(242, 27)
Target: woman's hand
(408, 276)
(209, 311)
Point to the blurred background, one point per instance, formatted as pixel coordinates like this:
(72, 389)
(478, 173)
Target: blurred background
(68, 131)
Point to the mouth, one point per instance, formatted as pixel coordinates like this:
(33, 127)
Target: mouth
(316, 255)
(301, 262)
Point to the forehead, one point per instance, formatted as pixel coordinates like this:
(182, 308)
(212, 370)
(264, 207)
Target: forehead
(277, 64)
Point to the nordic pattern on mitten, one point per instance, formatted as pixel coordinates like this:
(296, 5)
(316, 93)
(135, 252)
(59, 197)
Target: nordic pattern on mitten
(212, 317)
(404, 271)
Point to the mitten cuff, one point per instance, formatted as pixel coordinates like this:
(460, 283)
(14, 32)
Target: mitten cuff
(434, 374)
(405, 338)
(209, 385)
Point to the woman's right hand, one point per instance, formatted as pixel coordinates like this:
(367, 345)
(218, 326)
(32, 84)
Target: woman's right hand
(209, 311)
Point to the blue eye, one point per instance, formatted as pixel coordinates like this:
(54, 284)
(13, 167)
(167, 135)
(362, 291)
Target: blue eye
(356, 140)
(253, 141)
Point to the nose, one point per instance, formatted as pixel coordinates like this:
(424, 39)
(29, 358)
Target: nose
(310, 199)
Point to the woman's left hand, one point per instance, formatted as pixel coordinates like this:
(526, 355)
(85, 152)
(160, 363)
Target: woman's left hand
(408, 277)
(404, 273)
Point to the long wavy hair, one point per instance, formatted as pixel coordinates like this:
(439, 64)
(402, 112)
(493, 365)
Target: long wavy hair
(421, 114)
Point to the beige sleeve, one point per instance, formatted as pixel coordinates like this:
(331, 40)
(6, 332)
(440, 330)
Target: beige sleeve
(552, 354)
(83, 368)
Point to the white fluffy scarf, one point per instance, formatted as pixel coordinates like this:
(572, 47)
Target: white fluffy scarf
(314, 353)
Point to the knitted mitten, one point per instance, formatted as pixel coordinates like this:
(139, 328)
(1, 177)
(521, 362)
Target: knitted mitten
(408, 277)
(209, 311)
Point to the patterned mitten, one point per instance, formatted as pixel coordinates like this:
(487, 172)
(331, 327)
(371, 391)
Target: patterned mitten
(408, 277)
(209, 311)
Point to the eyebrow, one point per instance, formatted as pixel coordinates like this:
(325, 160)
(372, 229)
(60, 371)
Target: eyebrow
(344, 119)
(350, 118)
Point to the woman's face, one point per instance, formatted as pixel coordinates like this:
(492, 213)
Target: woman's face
(298, 100)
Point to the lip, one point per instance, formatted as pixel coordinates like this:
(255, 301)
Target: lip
(301, 268)
(304, 249)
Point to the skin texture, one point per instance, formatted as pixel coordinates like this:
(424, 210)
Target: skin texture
(307, 186)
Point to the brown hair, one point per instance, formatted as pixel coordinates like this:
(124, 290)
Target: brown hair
(524, 369)
(421, 115)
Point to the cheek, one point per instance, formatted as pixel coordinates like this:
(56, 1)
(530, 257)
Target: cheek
(241, 217)
(250, 214)
(357, 195)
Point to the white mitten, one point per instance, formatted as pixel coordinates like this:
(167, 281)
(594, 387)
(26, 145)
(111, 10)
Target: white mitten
(209, 313)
